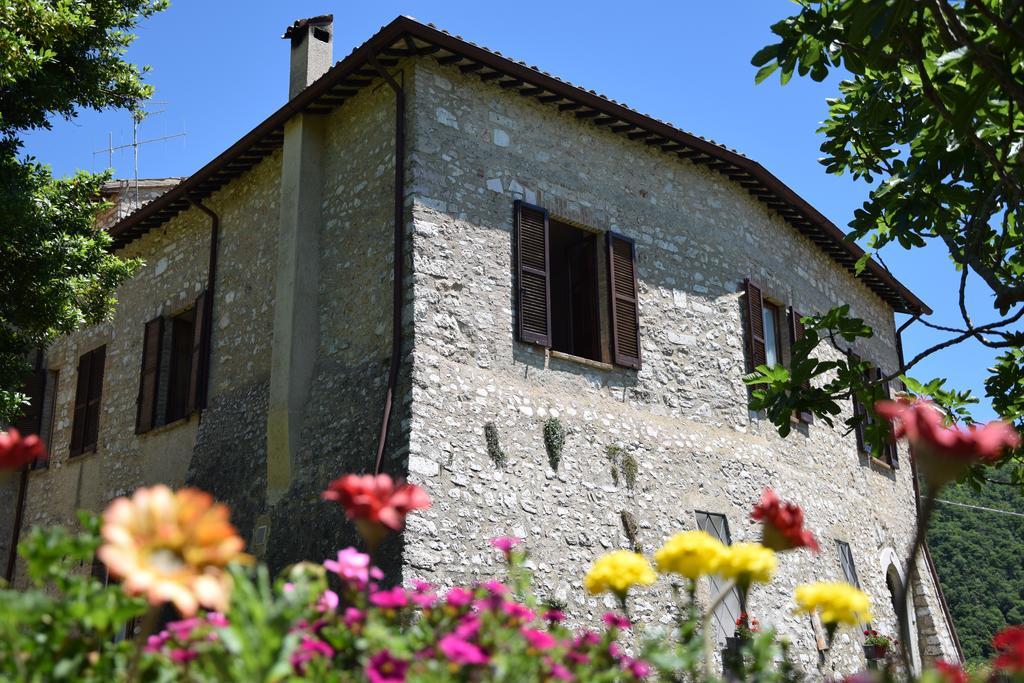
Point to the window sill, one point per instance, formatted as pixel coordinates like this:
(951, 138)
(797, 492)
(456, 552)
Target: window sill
(875, 462)
(589, 362)
(167, 426)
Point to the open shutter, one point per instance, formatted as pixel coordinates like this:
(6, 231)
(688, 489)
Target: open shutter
(756, 354)
(858, 410)
(796, 333)
(149, 379)
(625, 313)
(81, 404)
(92, 412)
(533, 274)
(200, 355)
(889, 452)
(31, 420)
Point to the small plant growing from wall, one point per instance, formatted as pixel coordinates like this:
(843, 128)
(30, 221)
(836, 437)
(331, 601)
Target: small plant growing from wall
(614, 454)
(623, 465)
(629, 470)
(497, 455)
(554, 439)
(629, 526)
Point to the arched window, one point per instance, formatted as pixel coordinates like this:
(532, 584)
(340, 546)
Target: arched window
(907, 625)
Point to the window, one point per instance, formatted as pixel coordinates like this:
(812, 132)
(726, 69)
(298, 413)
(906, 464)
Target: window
(889, 454)
(88, 391)
(727, 611)
(36, 418)
(559, 276)
(772, 352)
(846, 562)
(172, 381)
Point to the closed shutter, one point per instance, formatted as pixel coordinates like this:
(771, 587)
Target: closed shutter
(92, 412)
(31, 420)
(81, 404)
(858, 411)
(756, 354)
(625, 313)
(200, 355)
(796, 333)
(149, 379)
(847, 565)
(889, 451)
(729, 609)
(533, 274)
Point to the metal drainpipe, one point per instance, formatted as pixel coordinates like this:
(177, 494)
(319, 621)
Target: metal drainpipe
(19, 513)
(917, 506)
(211, 278)
(399, 252)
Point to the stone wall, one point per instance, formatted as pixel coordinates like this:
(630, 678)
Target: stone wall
(683, 417)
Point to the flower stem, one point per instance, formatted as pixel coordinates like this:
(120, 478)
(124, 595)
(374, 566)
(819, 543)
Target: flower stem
(149, 622)
(923, 522)
(706, 625)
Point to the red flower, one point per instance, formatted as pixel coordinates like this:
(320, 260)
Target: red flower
(783, 527)
(950, 672)
(376, 504)
(1010, 643)
(17, 450)
(945, 453)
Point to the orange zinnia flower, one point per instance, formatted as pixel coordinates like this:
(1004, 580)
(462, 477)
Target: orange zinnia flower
(17, 450)
(171, 547)
(375, 503)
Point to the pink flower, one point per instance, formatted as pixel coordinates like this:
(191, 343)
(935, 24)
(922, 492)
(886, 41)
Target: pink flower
(614, 650)
(468, 627)
(495, 587)
(328, 601)
(638, 667)
(423, 586)
(783, 527)
(587, 638)
(577, 657)
(353, 567)
(183, 628)
(183, 655)
(539, 640)
(558, 671)
(390, 599)
(17, 451)
(506, 543)
(461, 651)
(616, 620)
(555, 616)
(353, 617)
(217, 619)
(156, 641)
(310, 648)
(459, 597)
(424, 600)
(945, 453)
(518, 612)
(383, 667)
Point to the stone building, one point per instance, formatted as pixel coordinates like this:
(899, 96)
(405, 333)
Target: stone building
(552, 342)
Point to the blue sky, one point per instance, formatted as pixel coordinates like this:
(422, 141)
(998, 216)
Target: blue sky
(220, 68)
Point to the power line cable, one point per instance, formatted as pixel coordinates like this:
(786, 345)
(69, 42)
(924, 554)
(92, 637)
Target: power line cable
(979, 507)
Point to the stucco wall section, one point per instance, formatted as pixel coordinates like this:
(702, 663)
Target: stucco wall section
(683, 417)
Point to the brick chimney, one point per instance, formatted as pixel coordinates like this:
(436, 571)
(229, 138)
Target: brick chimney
(312, 47)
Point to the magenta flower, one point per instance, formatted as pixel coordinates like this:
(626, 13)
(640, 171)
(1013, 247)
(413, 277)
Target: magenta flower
(506, 543)
(459, 597)
(309, 649)
(217, 619)
(468, 627)
(183, 655)
(616, 620)
(577, 657)
(390, 599)
(554, 616)
(518, 612)
(183, 629)
(638, 667)
(353, 567)
(587, 638)
(328, 601)
(353, 616)
(423, 586)
(495, 587)
(461, 651)
(539, 640)
(614, 650)
(558, 671)
(383, 667)
(156, 641)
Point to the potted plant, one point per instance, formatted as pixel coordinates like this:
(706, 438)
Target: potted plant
(732, 655)
(876, 645)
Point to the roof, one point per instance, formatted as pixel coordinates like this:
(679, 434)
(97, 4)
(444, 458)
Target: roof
(405, 37)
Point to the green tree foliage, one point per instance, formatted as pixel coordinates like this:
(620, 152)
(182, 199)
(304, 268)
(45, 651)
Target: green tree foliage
(978, 557)
(931, 115)
(57, 273)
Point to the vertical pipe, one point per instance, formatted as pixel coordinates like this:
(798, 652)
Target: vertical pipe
(211, 278)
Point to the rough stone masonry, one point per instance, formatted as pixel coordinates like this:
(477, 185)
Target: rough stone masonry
(681, 421)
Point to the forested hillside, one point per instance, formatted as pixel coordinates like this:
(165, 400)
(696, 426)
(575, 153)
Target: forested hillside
(980, 559)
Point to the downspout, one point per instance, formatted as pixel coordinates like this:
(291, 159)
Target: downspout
(399, 263)
(211, 278)
(19, 513)
(917, 506)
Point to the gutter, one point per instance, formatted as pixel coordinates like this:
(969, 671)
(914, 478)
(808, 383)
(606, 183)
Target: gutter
(399, 258)
(211, 279)
(19, 513)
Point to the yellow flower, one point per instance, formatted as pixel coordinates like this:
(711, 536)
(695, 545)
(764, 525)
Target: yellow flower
(748, 563)
(617, 572)
(171, 547)
(839, 603)
(691, 554)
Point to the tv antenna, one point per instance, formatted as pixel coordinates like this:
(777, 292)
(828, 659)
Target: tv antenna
(137, 118)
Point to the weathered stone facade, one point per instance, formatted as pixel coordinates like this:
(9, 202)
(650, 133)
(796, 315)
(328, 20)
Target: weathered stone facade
(473, 148)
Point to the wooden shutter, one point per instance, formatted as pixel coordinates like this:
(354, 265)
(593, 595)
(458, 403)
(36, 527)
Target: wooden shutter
(92, 413)
(533, 274)
(756, 354)
(625, 310)
(34, 388)
(200, 355)
(858, 410)
(81, 404)
(796, 333)
(890, 453)
(149, 379)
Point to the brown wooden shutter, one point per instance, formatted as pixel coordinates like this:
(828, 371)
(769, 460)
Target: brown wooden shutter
(622, 294)
(756, 354)
(533, 273)
(796, 333)
(149, 379)
(858, 410)
(81, 404)
(890, 453)
(200, 355)
(92, 413)
(31, 420)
